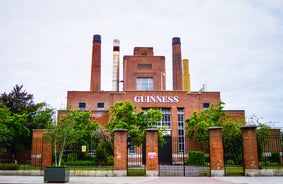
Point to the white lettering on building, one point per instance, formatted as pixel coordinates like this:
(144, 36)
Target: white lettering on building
(156, 99)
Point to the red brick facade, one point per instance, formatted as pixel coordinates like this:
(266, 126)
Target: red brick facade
(190, 102)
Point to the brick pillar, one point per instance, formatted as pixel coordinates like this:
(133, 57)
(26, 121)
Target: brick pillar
(250, 153)
(120, 152)
(151, 152)
(216, 151)
(36, 150)
(47, 152)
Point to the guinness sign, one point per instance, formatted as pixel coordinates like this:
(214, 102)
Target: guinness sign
(156, 99)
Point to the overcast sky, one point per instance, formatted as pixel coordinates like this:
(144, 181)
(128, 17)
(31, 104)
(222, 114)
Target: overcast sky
(235, 46)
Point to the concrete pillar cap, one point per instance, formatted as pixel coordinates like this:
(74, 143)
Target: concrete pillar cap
(248, 127)
(151, 129)
(214, 128)
(120, 130)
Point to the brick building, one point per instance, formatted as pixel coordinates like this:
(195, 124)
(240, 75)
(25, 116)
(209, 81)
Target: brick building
(144, 83)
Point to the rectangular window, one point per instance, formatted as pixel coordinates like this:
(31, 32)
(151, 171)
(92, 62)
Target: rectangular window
(82, 106)
(181, 136)
(144, 83)
(205, 106)
(100, 105)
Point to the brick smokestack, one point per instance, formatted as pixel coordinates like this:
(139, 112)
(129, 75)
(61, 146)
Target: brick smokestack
(95, 78)
(177, 64)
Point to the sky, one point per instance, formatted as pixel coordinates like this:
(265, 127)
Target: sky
(235, 46)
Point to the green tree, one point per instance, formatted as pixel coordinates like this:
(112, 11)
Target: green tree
(123, 115)
(74, 127)
(85, 126)
(197, 125)
(24, 115)
(11, 127)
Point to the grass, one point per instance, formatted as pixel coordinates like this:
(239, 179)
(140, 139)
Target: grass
(91, 168)
(136, 172)
(268, 167)
(234, 171)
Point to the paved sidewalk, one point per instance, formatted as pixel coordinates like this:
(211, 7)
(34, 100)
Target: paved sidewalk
(148, 180)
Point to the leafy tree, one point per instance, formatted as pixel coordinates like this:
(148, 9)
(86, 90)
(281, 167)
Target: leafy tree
(21, 116)
(215, 116)
(85, 126)
(123, 115)
(11, 127)
(102, 134)
(6, 132)
(74, 127)
(197, 125)
(18, 101)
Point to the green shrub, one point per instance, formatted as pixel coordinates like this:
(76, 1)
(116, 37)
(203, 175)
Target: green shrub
(110, 160)
(9, 166)
(101, 155)
(230, 162)
(195, 158)
(275, 157)
(71, 157)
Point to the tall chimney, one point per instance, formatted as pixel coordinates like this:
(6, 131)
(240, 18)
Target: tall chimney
(116, 58)
(95, 78)
(177, 64)
(186, 77)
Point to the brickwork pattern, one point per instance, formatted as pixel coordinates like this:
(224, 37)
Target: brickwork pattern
(36, 150)
(216, 148)
(151, 149)
(120, 149)
(250, 153)
(47, 152)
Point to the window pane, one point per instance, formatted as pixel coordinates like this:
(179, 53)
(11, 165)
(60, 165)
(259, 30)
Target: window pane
(181, 136)
(82, 106)
(144, 83)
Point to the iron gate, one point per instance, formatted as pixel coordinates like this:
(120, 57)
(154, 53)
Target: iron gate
(136, 160)
(183, 157)
(233, 155)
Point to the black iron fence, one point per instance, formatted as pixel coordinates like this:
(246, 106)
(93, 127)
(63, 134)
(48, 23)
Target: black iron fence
(22, 159)
(233, 155)
(136, 160)
(184, 157)
(270, 149)
(87, 157)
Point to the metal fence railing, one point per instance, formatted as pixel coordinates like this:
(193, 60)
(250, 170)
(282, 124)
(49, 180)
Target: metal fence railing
(270, 149)
(187, 157)
(99, 159)
(233, 155)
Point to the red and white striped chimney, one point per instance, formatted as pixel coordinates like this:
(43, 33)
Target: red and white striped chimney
(116, 63)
